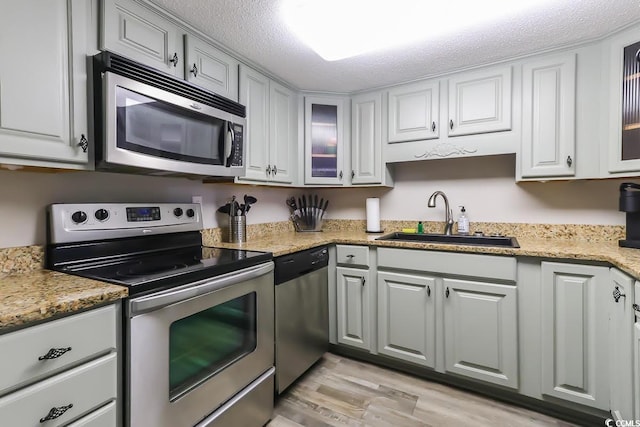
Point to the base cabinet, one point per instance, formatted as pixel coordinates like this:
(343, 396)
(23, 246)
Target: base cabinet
(574, 333)
(407, 317)
(480, 331)
(353, 307)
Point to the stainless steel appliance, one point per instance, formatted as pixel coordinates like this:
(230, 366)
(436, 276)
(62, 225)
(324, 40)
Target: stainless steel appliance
(302, 307)
(146, 121)
(198, 325)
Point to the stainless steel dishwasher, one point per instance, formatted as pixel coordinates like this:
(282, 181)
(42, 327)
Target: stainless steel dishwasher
(302, 307)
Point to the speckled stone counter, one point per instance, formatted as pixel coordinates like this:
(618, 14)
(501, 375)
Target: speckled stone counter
(40, 295)
(625, 259)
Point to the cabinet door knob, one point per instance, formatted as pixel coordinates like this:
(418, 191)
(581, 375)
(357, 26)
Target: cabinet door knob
(363, 281)
(84, 143)
(174, 60)
(56, 412)
(350, 256)
(451, 124)
(636, 307)
(54, 353)
(340, 176)
(446, 293)
(268, 169)
(617, 294)
(274, 170)
(353, 174)
(569, 161)
(433, 126)
(194, 70)
(428, 291)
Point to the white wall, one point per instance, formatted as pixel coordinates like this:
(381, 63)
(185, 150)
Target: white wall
(487, 188)
(484, 185)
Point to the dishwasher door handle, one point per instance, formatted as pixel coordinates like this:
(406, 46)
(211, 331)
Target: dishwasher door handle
(157, 301)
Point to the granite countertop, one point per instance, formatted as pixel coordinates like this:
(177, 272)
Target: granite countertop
(42, 294)
(625, 259)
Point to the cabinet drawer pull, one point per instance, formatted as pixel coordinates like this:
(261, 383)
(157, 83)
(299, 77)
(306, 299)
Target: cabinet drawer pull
(194, 70)
(268, 169)
(433, 126)
(275, 170)
(363, 281)
(350, 256)
(569, 161)
(617, 294)
(353, 174)
(54, 353)
(428, 291)
(636, 307)
(451, 124)
(84, 143)
(175, 59)
(56, 412)
(340, 176)
(446, 293)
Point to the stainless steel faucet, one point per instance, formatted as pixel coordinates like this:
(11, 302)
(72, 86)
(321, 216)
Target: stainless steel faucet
(448, 226)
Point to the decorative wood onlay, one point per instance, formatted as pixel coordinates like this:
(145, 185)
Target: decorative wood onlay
(445, 150)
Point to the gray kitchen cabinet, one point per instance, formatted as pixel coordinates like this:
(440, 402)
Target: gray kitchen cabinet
(43, 120)
(548, 117)
(271, 133)
(407, 317)
(621, 321)
(413, 112)
(353, 307)
(142, 34)
(326, 141)
(480, 331)
(624, 113)
(210, 68)
(575, 362)
(480, 101)
(366, 139)
(66, 367)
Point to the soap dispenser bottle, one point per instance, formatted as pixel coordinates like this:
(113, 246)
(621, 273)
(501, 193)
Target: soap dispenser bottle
(463, 221)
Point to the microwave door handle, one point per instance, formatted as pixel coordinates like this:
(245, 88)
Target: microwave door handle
(155, 302)
(228, 143)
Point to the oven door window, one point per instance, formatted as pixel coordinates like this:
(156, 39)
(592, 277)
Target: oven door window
(206, 342)
(160, 129)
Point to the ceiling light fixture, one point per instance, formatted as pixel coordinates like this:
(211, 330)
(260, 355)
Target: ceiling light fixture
(338, 29)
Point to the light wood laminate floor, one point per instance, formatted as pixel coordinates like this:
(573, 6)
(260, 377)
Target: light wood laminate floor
(339, 391)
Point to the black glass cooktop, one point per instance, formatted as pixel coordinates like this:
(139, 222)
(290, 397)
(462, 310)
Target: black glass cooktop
(167, 269)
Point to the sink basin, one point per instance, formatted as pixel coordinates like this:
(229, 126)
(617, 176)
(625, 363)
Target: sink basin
(454, 239)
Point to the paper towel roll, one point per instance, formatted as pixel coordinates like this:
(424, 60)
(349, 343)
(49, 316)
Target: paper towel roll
(373, 214)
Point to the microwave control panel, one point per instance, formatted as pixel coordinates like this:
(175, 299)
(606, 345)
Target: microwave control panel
(235, 159)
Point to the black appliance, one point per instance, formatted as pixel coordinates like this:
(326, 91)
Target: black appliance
(630, 203)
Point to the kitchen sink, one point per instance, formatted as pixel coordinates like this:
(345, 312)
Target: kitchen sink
(454, 239)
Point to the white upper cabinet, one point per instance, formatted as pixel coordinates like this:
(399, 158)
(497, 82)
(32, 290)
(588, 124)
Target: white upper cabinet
(366, 139)
(414, 111)
(624, 109)
(548, 117)
(480, 102)
(139, 33)
(43, 107)
(271, 134)
(325, 140)
(283, 136)
(210, 68)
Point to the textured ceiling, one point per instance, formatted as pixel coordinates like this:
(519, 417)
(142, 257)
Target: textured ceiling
(255, 30)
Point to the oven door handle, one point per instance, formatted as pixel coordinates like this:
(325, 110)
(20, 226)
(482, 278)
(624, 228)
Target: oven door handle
(157, 301)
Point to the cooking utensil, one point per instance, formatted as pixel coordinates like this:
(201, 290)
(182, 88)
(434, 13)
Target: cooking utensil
(248, 201)
(232, 207)
(226, 209)
(324, 208)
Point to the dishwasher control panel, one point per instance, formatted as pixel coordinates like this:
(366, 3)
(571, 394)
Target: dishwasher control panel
(289, 267)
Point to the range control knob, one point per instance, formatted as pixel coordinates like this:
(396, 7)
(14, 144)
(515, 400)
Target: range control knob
(101, 214)
(79, 217)
(190, 213)
(177, 212)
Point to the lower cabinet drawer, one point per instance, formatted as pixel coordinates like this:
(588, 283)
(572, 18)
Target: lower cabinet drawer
(103, 417)
(352, 255)
(59, 399)
(31, 354)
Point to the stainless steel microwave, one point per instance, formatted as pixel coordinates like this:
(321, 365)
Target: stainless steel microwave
(149, 122)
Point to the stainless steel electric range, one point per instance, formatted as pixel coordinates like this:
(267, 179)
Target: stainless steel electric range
(198, 324)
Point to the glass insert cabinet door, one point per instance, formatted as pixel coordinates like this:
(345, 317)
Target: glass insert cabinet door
(324, 140)
(624, 152)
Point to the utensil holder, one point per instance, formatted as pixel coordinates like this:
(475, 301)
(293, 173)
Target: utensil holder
(237, 229)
